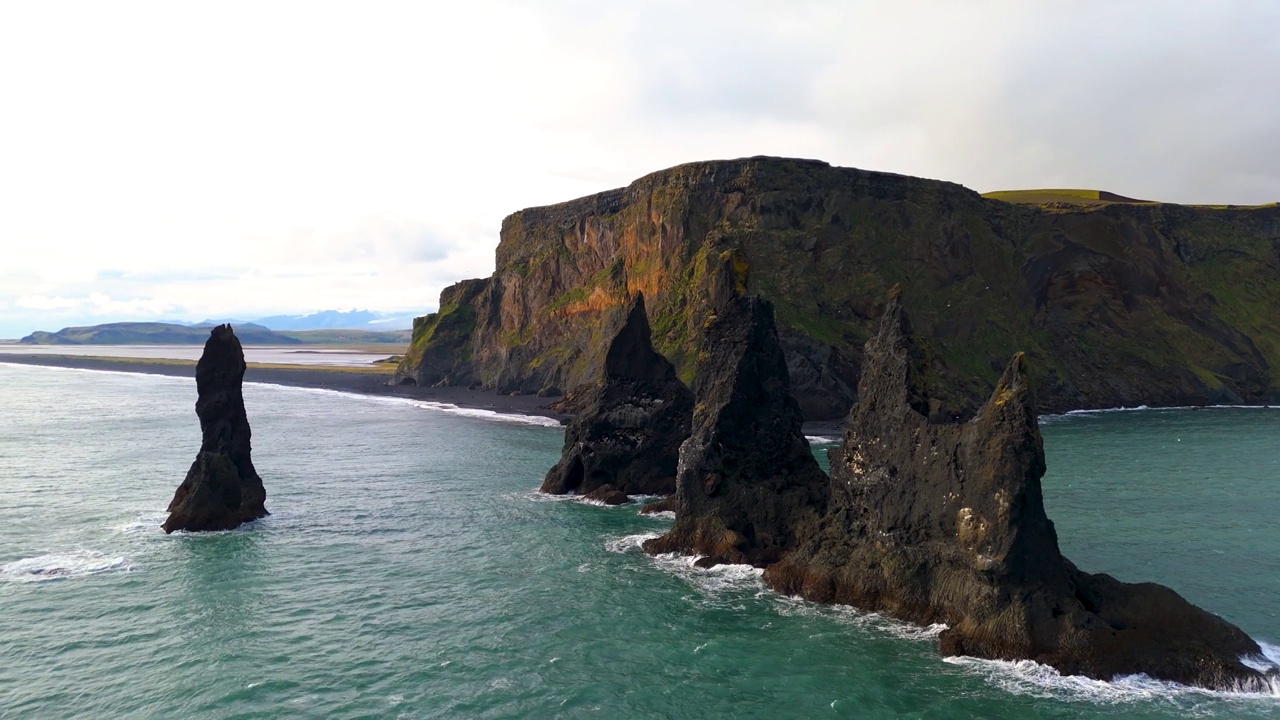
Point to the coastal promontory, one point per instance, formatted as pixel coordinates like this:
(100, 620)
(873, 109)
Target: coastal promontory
(1116, 302)
(222, 489)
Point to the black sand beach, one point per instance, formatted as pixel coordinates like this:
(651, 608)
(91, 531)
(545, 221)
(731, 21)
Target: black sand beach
(365, 381)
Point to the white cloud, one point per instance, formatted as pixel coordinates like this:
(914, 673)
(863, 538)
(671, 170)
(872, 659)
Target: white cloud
(44, 302)
(249, 158)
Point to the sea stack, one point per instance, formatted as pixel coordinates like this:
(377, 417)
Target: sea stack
(625, 440)
(221, 490)
(936, 522)
(748, 485)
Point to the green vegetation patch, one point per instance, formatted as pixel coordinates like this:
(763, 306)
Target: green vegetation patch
(1061, 195)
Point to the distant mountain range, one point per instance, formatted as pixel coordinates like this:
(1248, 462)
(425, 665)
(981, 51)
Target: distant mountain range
(326, 320)
(172, 333)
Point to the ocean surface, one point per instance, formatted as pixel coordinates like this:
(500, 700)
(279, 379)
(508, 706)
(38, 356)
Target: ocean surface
(411, 570)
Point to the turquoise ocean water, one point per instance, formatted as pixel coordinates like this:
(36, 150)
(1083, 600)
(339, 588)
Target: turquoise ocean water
(410, 570)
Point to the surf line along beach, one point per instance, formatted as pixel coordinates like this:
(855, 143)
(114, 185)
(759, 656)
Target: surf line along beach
(363, 380)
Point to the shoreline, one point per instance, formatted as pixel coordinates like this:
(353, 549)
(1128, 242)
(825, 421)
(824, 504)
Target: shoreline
(359, 380)
(372, 380)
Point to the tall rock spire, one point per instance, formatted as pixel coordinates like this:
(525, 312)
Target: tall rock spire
(626, 438)
(222, 490)
(748, 482)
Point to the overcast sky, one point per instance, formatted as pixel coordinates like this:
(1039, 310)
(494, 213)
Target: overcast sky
(192, 160)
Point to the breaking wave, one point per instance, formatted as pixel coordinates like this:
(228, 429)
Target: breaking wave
(61, 566)
(822, 439)
(1147, 408)
(450, 408)
(710, 581)
(1029, 678)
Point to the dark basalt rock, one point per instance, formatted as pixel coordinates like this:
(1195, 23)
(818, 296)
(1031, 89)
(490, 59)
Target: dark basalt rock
(748, 483)
(944, 523)
(221, 490)
(666, 504)
(609, 495)
(629, 427)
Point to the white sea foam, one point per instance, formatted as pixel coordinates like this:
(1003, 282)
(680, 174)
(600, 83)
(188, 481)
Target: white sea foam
(711, 581)
(1026, 677)
(62, 565)
(1269, 661)
(845, 614)
(664, 515)
(822, 439)
(628, 543)
(1137, 408)
(479, 413)
(1147, 408)
(513, 418)
(539, 496)
(146, 524)
(637, 501)
(58, 368)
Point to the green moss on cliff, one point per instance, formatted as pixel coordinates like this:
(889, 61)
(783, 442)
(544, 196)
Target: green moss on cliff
(1115, 301)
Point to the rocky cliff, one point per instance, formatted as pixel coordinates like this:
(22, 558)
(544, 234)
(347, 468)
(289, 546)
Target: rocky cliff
(1116, 303)
(627, 434)
(222, 489)
(937, 522)
(748, 485)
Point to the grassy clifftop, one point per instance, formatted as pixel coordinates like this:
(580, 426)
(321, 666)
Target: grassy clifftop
(1064, 196)
(1116, 301)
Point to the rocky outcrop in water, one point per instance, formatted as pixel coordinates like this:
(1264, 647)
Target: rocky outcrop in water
(665, 505)
(221, 490)
(748, 484)
(944, 523)
(608, 495)
(629, 427)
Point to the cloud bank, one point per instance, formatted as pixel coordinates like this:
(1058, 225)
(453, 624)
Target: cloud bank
(241, 159)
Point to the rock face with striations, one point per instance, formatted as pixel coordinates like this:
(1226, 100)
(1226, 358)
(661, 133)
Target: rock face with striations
(629, 427)
(944, 523)
(1116, 303)
(221, 490)
(748, 484)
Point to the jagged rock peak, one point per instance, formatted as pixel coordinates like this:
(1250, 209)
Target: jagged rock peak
(222, 489)
(896, 383)
(628, 432)
(938, 522)
(631, 355)
(748, 484)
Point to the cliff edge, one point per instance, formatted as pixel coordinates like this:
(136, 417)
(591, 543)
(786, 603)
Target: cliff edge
(1115, 304)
